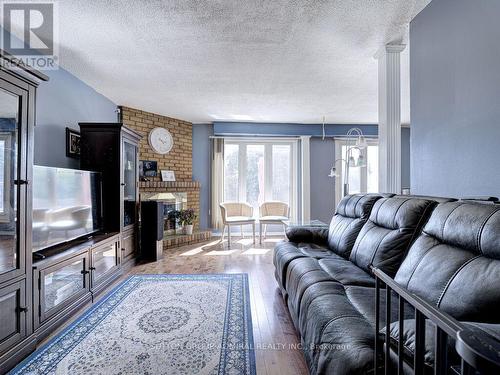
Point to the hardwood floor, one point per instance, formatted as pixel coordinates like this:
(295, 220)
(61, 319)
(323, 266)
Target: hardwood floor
(276, 342)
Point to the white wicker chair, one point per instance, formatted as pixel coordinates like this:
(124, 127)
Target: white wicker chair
(272, 212)
(236, 213)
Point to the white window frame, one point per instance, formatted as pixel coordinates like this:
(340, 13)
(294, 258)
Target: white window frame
(340, 165)
(5, 214)
(268, 143)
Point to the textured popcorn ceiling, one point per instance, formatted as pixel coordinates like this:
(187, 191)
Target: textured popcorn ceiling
(249, 60)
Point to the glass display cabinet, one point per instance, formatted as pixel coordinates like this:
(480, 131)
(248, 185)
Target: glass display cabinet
(112, 149)
(17, 114)
(130, 187)
(12, 181)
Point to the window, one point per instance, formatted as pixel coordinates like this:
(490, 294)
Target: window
(259, 171)
(361, 179)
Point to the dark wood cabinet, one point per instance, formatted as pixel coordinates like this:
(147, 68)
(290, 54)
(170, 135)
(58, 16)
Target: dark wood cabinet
(128, 245)
(104, 263)
(112, 149)
(61, 284)
(17, 103)
(64, 282)
(13, 314)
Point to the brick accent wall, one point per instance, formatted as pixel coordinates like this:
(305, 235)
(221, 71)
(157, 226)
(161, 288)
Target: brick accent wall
(180, 158)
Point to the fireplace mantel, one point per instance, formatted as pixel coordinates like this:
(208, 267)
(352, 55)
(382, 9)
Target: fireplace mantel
(187, 185)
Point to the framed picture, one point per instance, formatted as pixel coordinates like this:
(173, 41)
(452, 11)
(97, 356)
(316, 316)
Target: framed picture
(148, 168)
(72, 143)
(167, 176)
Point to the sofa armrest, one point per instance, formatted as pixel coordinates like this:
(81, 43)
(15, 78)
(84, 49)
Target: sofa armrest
(492, 329)
(316, 235)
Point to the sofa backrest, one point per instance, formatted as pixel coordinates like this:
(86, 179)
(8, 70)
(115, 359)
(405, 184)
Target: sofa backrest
(350, 216)
(386, 237)
(455, 262)
(429, 197)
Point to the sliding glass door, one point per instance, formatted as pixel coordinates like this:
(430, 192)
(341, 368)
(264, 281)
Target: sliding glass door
(259, 171)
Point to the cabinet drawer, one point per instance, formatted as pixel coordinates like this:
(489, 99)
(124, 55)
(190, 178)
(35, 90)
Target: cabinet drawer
(128, 245)
(13, 314)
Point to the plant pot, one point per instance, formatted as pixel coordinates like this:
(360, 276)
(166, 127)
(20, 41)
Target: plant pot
(179, 229)
(188, 229)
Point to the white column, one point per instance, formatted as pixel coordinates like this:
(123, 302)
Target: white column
(305, 161)
(389, 118)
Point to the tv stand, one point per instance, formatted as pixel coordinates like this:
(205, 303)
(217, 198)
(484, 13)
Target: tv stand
(91, 264)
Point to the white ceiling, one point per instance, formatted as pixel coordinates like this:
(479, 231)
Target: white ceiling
(250, 60)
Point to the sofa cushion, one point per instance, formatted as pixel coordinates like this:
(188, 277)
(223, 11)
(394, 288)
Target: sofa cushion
(345, 272)
(337, 328)
(285, 252)
(408, 337)
(350, 216)
(316, 235)
(455, 262)
(337, 338)
(385, 238)
(302, 273)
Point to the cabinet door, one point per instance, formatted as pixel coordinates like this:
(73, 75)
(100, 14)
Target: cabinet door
(128, 245)
(129, 165)
(13, 180)
(12, 314)
(62, 284)
(105, 261)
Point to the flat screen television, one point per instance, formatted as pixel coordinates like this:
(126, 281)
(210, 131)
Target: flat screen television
(66, 205)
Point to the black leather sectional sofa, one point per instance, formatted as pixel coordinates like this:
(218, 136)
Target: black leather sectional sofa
(442, 250)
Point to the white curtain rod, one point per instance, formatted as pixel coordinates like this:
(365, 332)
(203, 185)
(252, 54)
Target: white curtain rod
(285, 137)
(277, 137)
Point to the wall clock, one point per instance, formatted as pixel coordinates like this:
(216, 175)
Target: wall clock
(160, 140)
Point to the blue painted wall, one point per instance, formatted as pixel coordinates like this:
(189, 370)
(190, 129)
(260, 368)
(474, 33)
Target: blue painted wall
(62, 102)
(283, 129)
(455, 96)
(322, 186)
(201, 168)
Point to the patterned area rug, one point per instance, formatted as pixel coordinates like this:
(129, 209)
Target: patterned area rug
(157, 324)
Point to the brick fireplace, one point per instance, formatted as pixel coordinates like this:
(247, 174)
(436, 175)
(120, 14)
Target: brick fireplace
(179, 160)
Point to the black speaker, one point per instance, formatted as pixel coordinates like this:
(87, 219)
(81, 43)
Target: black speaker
(151, 230)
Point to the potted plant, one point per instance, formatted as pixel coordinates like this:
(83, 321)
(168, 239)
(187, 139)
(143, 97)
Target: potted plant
(187, 217)
(174, 217)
